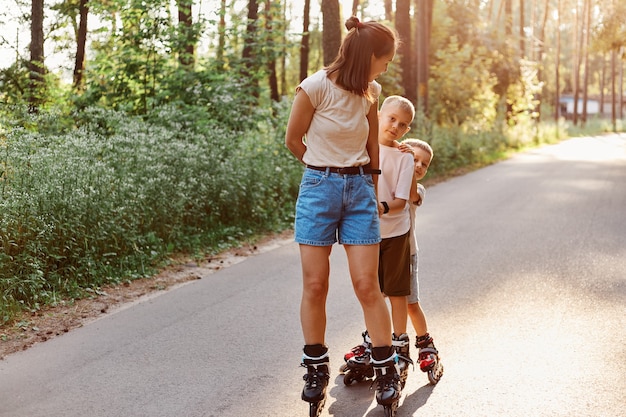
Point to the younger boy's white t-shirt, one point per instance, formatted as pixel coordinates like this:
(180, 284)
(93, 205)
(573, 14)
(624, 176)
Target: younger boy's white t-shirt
(395, 182)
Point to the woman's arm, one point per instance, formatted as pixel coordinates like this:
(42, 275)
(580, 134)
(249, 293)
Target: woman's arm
(299, 120)
(372, 140)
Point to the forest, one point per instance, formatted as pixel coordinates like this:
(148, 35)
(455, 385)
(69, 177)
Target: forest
(158, 127)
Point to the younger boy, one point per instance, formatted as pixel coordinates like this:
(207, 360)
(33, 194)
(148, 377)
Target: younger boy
(428, 355)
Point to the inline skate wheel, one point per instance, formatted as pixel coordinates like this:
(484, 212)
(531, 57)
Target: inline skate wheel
(390, 410)
(343, 369)
(348, 378)
(434, 375)
(315, 409)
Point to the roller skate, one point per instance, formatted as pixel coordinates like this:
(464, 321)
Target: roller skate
(429, 358)
(359, 368)
(358, 350)
(388, 386)
(401, 345)
(316, 378)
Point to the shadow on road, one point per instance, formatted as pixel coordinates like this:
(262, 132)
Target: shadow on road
(357, 400)
(350, 401)
(416, 400)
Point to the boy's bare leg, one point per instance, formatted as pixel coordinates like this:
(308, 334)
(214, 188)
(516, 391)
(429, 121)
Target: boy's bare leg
(418, 319)
(399, 311)
(363, 265)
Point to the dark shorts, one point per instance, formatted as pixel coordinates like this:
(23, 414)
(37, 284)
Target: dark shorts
(394, 268)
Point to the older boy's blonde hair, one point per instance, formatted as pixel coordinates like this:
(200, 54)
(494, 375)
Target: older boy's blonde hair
(418, 143)
(404, 103)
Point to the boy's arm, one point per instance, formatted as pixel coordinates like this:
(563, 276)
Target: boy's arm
(417, 194)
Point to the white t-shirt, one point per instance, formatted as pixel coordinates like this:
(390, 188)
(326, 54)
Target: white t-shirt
(395, 182)
(337, 135)
(412, 209)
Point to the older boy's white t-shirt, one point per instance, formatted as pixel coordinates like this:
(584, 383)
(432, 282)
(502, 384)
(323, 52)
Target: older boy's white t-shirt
(337, 135)
(395, 182)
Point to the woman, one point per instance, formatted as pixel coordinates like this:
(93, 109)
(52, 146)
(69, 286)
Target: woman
(333, 130)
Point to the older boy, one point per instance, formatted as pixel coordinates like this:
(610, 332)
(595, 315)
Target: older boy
(394, 190)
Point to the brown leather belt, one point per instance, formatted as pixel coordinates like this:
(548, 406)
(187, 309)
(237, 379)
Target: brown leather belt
(347, 170)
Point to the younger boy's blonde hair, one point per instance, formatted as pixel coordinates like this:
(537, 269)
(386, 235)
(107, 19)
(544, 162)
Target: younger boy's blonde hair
(418, 143)
(404, 103)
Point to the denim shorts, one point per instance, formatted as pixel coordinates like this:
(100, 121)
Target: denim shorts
(336, 207)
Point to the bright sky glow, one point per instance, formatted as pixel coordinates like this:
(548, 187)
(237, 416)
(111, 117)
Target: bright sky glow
(14, 37)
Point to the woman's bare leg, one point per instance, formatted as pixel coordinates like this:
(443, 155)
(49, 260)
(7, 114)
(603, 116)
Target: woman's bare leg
(315, 274)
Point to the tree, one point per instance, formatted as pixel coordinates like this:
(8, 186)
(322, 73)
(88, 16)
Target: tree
(585, 51)
(186, 33)
(221, 31)
(36, 63)
(249, 63)
(271, 64)
(331, 35)
(424, 10)
(304, 43)
(81, 41)
(406, 52)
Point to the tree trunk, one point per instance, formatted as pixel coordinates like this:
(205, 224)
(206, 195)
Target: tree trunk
(540, 49)
(304, 44)
(36, 63)
(81, 41)
(576, 72)
(585, 50)
(185, 25)
(389, 10)
(522, 35)
(424, 9)
(613, 95)
(221, 35)
(602, 84)
(405, 52)
(331, 34)
(355, 7)
(271, 65)
(557, 75)
(283, 55)
(249, 73)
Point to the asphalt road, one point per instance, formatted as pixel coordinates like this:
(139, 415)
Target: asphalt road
(523, 279)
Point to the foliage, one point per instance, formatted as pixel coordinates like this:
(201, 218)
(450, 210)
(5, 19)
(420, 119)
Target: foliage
(474, 105)
(111, 199)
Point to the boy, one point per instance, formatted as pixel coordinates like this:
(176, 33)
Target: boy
(428, 355)
(394, 190)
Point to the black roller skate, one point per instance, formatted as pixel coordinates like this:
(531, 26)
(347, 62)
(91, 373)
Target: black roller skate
(359, 368)
(316, 378)
(429, 358)
(388, 386)
(402, 345)
(358, 350)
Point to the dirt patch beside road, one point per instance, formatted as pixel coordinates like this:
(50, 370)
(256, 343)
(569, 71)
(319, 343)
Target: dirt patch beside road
(50, 322)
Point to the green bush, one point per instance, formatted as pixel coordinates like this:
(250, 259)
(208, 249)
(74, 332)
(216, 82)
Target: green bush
(111, 199)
